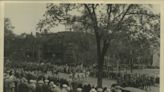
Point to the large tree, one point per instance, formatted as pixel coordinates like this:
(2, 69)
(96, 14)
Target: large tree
(107, 22)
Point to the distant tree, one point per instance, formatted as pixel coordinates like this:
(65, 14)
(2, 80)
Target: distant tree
(62, 43)
(9, 36)
(106, 21)
(8, 27)
(17, 47)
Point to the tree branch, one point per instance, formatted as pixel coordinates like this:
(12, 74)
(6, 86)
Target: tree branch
(109, 10)
(140, 13)
(124, 15)
(93, 18)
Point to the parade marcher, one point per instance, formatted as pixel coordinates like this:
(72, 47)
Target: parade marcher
(24, 74)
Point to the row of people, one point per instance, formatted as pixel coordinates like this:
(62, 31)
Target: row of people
(137, 81)
(48, 67)
(131, 79)
(13, 83)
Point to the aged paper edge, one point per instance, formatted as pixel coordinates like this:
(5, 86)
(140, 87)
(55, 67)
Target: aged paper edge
(160, 2)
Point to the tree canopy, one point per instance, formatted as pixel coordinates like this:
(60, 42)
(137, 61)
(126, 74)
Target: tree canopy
(131, 25)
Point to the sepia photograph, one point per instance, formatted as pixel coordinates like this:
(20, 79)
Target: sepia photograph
(81, 47)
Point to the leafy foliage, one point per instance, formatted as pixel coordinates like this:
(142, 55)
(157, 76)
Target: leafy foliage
(132, 25)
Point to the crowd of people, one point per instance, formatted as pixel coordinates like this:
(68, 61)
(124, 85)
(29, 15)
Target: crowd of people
(48, 66)
(136, 80)
(40, 77)
(16, 81)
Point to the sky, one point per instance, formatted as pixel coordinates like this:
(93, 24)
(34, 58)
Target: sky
(25, 16)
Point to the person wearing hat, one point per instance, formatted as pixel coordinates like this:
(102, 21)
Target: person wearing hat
(68, 89)
(99, 90)
(6, 83)
(85, 87)
(107, 90)
(46, 86)
(40, 82)
(12, 80)
(32, 86)
(23, 86)
(116, 88)
(79, 89)
(93, 90)
(54, 88)
(18, 79)
(39, 87)
(57, 89)
(46, 81)
(64, 88)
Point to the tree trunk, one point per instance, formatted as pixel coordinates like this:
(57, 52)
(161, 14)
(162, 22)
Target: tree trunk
(131, 61)
(131, 65)
(100, 62)
(39, 54)
(118, 66)
(100, 71)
